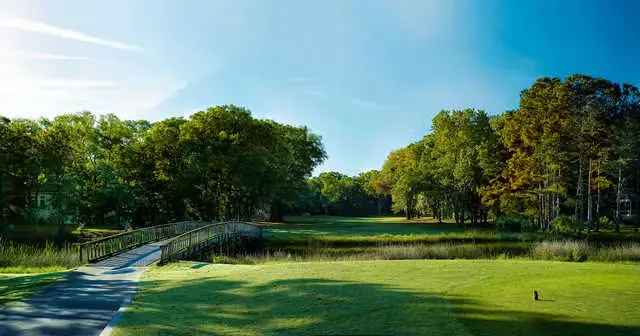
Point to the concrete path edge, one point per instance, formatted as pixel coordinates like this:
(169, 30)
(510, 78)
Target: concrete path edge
(116, 318)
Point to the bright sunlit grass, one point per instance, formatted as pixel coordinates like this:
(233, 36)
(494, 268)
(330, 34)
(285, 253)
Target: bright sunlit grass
(453, 297)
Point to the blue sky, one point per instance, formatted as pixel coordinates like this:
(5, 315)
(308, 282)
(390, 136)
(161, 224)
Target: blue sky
(366, 75)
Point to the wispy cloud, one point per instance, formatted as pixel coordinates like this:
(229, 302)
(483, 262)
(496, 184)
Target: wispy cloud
(72, 83)
(368, 104)
(38, 55)
(44, 28)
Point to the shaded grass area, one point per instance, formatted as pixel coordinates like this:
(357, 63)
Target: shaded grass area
(456, 297)
(28, 258)
(39, 234)
(87, 233)
(15, 287)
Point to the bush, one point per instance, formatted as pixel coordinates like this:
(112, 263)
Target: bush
(606, 224)
(567, 224)
(514, 225)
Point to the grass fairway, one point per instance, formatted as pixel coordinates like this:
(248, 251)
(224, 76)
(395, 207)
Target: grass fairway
(300, 226)
(452, 297)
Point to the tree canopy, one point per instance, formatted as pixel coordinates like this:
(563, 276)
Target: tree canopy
(571, 148)
(219, 163)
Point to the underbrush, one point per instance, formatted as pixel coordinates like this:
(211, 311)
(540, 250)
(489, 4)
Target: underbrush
(19, 258)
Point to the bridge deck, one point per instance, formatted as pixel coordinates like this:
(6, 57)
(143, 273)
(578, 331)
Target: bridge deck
(140, 256)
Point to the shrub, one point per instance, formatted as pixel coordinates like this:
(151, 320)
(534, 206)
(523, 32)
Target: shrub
(567, 224)
(606, 223)
(512, 224)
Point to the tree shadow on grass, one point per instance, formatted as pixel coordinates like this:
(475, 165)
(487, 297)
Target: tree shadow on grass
(330, 307)
(19, 287)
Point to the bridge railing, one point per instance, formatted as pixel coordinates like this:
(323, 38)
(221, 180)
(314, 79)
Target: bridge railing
(203, 236)
(112, 245)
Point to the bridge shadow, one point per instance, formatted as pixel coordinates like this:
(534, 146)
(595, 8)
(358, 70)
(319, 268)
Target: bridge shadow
(320, 306)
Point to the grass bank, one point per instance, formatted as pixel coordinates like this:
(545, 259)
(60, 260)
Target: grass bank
(436, 297)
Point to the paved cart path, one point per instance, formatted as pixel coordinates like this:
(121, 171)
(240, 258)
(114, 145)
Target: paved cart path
(85, 302)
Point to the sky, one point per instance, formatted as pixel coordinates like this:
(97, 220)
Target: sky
(366, 75)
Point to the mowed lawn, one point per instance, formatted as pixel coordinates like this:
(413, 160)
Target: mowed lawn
(425, 297)
(300, 226)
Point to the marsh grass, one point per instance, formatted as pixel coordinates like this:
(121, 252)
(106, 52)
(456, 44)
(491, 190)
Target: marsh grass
(560, 250)
(20, 258)
(574, 250)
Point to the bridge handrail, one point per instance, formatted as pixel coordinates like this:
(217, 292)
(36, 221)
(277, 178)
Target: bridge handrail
(111, 245)
(204, 234)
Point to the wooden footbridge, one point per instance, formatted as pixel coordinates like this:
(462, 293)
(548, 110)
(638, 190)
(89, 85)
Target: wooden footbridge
(164, 243)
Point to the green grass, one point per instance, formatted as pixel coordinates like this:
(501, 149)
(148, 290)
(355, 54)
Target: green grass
(301, 226)
(32, 269)
(15, 287)
(444, 297)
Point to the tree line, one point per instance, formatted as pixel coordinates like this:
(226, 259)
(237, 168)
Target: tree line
(333, 193)
(569, 153)
(217, 164)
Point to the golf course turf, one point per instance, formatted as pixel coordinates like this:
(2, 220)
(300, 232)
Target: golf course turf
(411, 297)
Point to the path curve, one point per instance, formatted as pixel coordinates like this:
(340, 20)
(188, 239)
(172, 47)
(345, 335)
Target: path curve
(83, 303)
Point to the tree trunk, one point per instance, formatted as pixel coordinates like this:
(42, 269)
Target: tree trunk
(589, 200)
(618, 199)
(597, 218)
(276, 212)
(579, 208)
